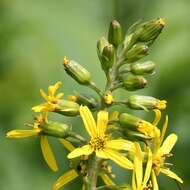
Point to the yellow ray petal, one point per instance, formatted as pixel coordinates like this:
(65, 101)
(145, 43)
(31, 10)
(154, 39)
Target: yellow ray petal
(148, 168)
(164, 128)
(44, 95)
(23, 133)
(101, 154)
(168, 144)
(60, 95)
(64, 179)
(53, 88)
(46, 107)
(67, 145)
(84, 150)
(157, 117)
(48, 153)
(121, 144)
(134, 187)
(88, 120)
(154, 181)
(138, 167)
(171, 174)
(106, 179)
(102, 121)
(118, 158)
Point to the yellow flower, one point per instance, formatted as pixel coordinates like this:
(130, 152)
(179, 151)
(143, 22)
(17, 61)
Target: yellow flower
(100, 143)
(108, 98)
(161, 152)
(73, 174)
(141, 181)
(36, 131)
(52, 99)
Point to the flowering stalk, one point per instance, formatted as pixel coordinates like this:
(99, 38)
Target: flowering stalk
(113, 136)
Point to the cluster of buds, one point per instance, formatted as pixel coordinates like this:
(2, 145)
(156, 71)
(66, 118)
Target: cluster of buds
(129, 141)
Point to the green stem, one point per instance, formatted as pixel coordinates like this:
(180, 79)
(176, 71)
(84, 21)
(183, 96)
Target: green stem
(93, 86)
(92, 173)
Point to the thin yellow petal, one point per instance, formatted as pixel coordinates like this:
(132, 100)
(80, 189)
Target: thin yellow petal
(168, 144)
(48, 153)
(106, 179)
(53, 88)
(118, 158)
(84, 150)
(138, 161)
(171, 174)
(121, 144)
(43, 94)
(88, 120)
(164, 128)
(148, 168)
(23, 133)
(134, 187)
(102, 121)
(154, 181)
(157, 117)
(64, 179)
(67, 145)
(46, 107)
(60, 95)
(101, 154)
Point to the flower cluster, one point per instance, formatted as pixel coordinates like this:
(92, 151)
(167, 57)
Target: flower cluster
(136, 145)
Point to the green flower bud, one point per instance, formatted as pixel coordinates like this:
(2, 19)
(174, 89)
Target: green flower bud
(56, 129)
(76, 71)
(100, 46)
(68, 108)
(142, 68)
(107, 58)
(149, 31)
(137, 52)
(132, 82)
(145, 102)
(115, 33)
(85, 99)
(129, 121)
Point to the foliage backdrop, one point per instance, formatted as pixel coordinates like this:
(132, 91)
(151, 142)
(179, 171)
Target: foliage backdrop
(34, 37)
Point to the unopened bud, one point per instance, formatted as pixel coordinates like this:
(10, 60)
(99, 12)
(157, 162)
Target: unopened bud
(68, 108)
(142, 68)
(100, 46)
(86, 99)
(76, 71)
(107, 58)
(132, 82)
(145, 102)
(108, 98)
(56, 129)
(115, 33)
(137, 52)
(149, 31)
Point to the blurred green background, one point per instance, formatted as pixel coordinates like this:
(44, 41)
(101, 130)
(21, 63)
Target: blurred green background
(34, 37)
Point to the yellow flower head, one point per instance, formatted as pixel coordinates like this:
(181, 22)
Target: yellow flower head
(36, 131)
(51, 99)
(108, 98)
(100, 143)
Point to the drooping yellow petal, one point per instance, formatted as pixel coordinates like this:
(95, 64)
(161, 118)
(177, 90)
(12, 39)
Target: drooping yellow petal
(102, 121)
(164, 128)
(88, 120)
(138, 167)
(120, 144)
(157, 117)
(23, 133)
(67, 145)
(154, 180)
(118, 158)
(101, 154)
(168, 144)
(106, 179)
(148, 168)
(171, 174)
(64, 179)
(84, 150)
(48, 153)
